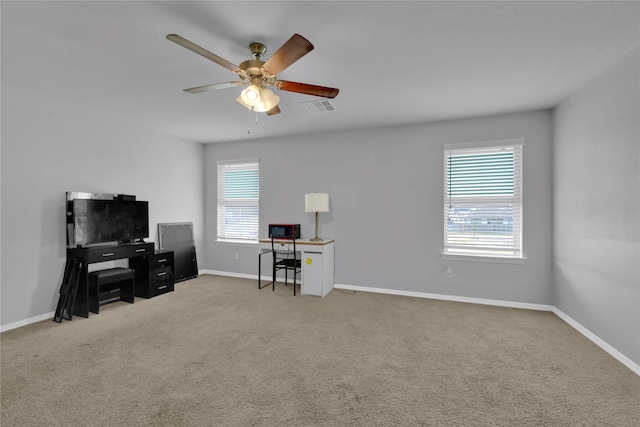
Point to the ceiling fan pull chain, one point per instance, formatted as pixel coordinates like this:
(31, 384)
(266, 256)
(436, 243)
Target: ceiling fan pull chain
(249, 127)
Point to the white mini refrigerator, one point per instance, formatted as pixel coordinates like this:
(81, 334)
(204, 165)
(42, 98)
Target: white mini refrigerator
(318, 270)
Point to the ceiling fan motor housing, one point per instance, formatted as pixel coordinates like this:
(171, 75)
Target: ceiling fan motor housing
(257, 50)
(252, 69)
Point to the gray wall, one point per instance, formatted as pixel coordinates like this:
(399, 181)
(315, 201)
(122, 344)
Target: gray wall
(386, 196)
(48, 148)
(597, 206)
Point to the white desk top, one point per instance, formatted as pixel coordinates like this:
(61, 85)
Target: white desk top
(299, 241)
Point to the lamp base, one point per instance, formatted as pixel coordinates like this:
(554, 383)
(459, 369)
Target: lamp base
(316, 239)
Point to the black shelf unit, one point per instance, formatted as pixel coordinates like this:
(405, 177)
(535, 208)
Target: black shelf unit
(154, 273)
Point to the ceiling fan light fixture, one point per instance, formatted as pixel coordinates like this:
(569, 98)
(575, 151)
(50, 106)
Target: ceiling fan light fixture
(239, 99)
(251, 95)
(268, 100)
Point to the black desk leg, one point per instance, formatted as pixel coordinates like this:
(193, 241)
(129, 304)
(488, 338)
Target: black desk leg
(82, 296)
(259, 270)
(260, 286)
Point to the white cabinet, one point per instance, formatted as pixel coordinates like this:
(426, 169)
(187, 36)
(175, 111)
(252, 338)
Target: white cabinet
(317, 270)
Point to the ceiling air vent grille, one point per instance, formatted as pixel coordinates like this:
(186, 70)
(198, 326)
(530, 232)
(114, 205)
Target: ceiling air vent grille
(319, 106)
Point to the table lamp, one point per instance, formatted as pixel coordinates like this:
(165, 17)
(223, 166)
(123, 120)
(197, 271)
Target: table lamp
(316, 202)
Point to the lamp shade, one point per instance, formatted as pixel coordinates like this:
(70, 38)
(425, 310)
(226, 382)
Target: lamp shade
(251, 95)
(316, 202)
(268, 100)
(239, 99)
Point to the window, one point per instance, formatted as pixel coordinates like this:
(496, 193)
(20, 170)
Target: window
(238, 197)
(483, 199)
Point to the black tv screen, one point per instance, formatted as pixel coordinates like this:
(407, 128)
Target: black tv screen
(102, 221)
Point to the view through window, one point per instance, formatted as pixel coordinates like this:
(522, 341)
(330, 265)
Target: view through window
(238, 197)
(483, 199)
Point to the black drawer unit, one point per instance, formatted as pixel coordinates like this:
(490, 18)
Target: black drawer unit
(154, 274)
(110, 253)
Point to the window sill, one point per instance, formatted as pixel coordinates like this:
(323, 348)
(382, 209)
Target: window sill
(485, 258)
(232, 242)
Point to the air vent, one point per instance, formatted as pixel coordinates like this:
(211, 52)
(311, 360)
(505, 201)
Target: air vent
(319, 106)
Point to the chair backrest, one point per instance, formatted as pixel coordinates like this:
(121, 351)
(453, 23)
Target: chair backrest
(289, 250)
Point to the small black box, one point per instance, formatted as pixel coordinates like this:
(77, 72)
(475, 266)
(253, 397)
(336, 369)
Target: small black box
(284, 231)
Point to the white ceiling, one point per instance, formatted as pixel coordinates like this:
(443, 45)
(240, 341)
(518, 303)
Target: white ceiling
(394, 62)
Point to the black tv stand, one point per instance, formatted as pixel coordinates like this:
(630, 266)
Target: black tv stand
(95, 254)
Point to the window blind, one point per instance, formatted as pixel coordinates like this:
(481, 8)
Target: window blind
(238, 198)
(483, 199)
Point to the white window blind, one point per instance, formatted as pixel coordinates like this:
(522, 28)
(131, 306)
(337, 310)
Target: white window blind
(238, 198)
(483, 199)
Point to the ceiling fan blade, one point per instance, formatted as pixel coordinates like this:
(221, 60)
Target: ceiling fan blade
(203, 52)
(215, 86)
(307, 89)
(294, 48)
(275, 110)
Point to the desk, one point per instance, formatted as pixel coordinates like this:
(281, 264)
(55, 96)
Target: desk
(91, 255)
(317, 264)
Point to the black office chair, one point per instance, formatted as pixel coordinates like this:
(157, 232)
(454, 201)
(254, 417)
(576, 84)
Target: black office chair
(285, 258)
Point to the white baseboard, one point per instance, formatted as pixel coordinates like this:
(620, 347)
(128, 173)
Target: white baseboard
(241, 275)
(28, 321)
(470, 300)
(230, 274)
(634, 367)
(598, 341)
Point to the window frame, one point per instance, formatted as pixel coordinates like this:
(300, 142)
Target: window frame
(223, 233)
(473, 251)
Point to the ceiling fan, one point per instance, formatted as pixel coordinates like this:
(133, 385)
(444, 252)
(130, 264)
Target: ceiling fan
(259, 75)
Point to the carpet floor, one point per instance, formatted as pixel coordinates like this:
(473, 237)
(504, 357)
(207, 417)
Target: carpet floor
(220, 352)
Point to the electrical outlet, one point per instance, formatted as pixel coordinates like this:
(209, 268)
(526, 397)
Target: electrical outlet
(237, 255)
(448, 273)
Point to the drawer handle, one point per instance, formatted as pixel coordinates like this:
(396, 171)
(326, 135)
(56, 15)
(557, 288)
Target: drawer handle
(109, 254)
(162, 260)
(162, 287)
(140, 250)
(162, 274)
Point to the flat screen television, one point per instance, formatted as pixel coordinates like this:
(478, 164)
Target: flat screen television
(106, 221)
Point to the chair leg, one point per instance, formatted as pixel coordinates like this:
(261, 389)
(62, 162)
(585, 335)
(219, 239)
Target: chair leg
(273, 278)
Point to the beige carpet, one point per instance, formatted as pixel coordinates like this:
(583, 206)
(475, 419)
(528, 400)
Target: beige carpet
(220, 352)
